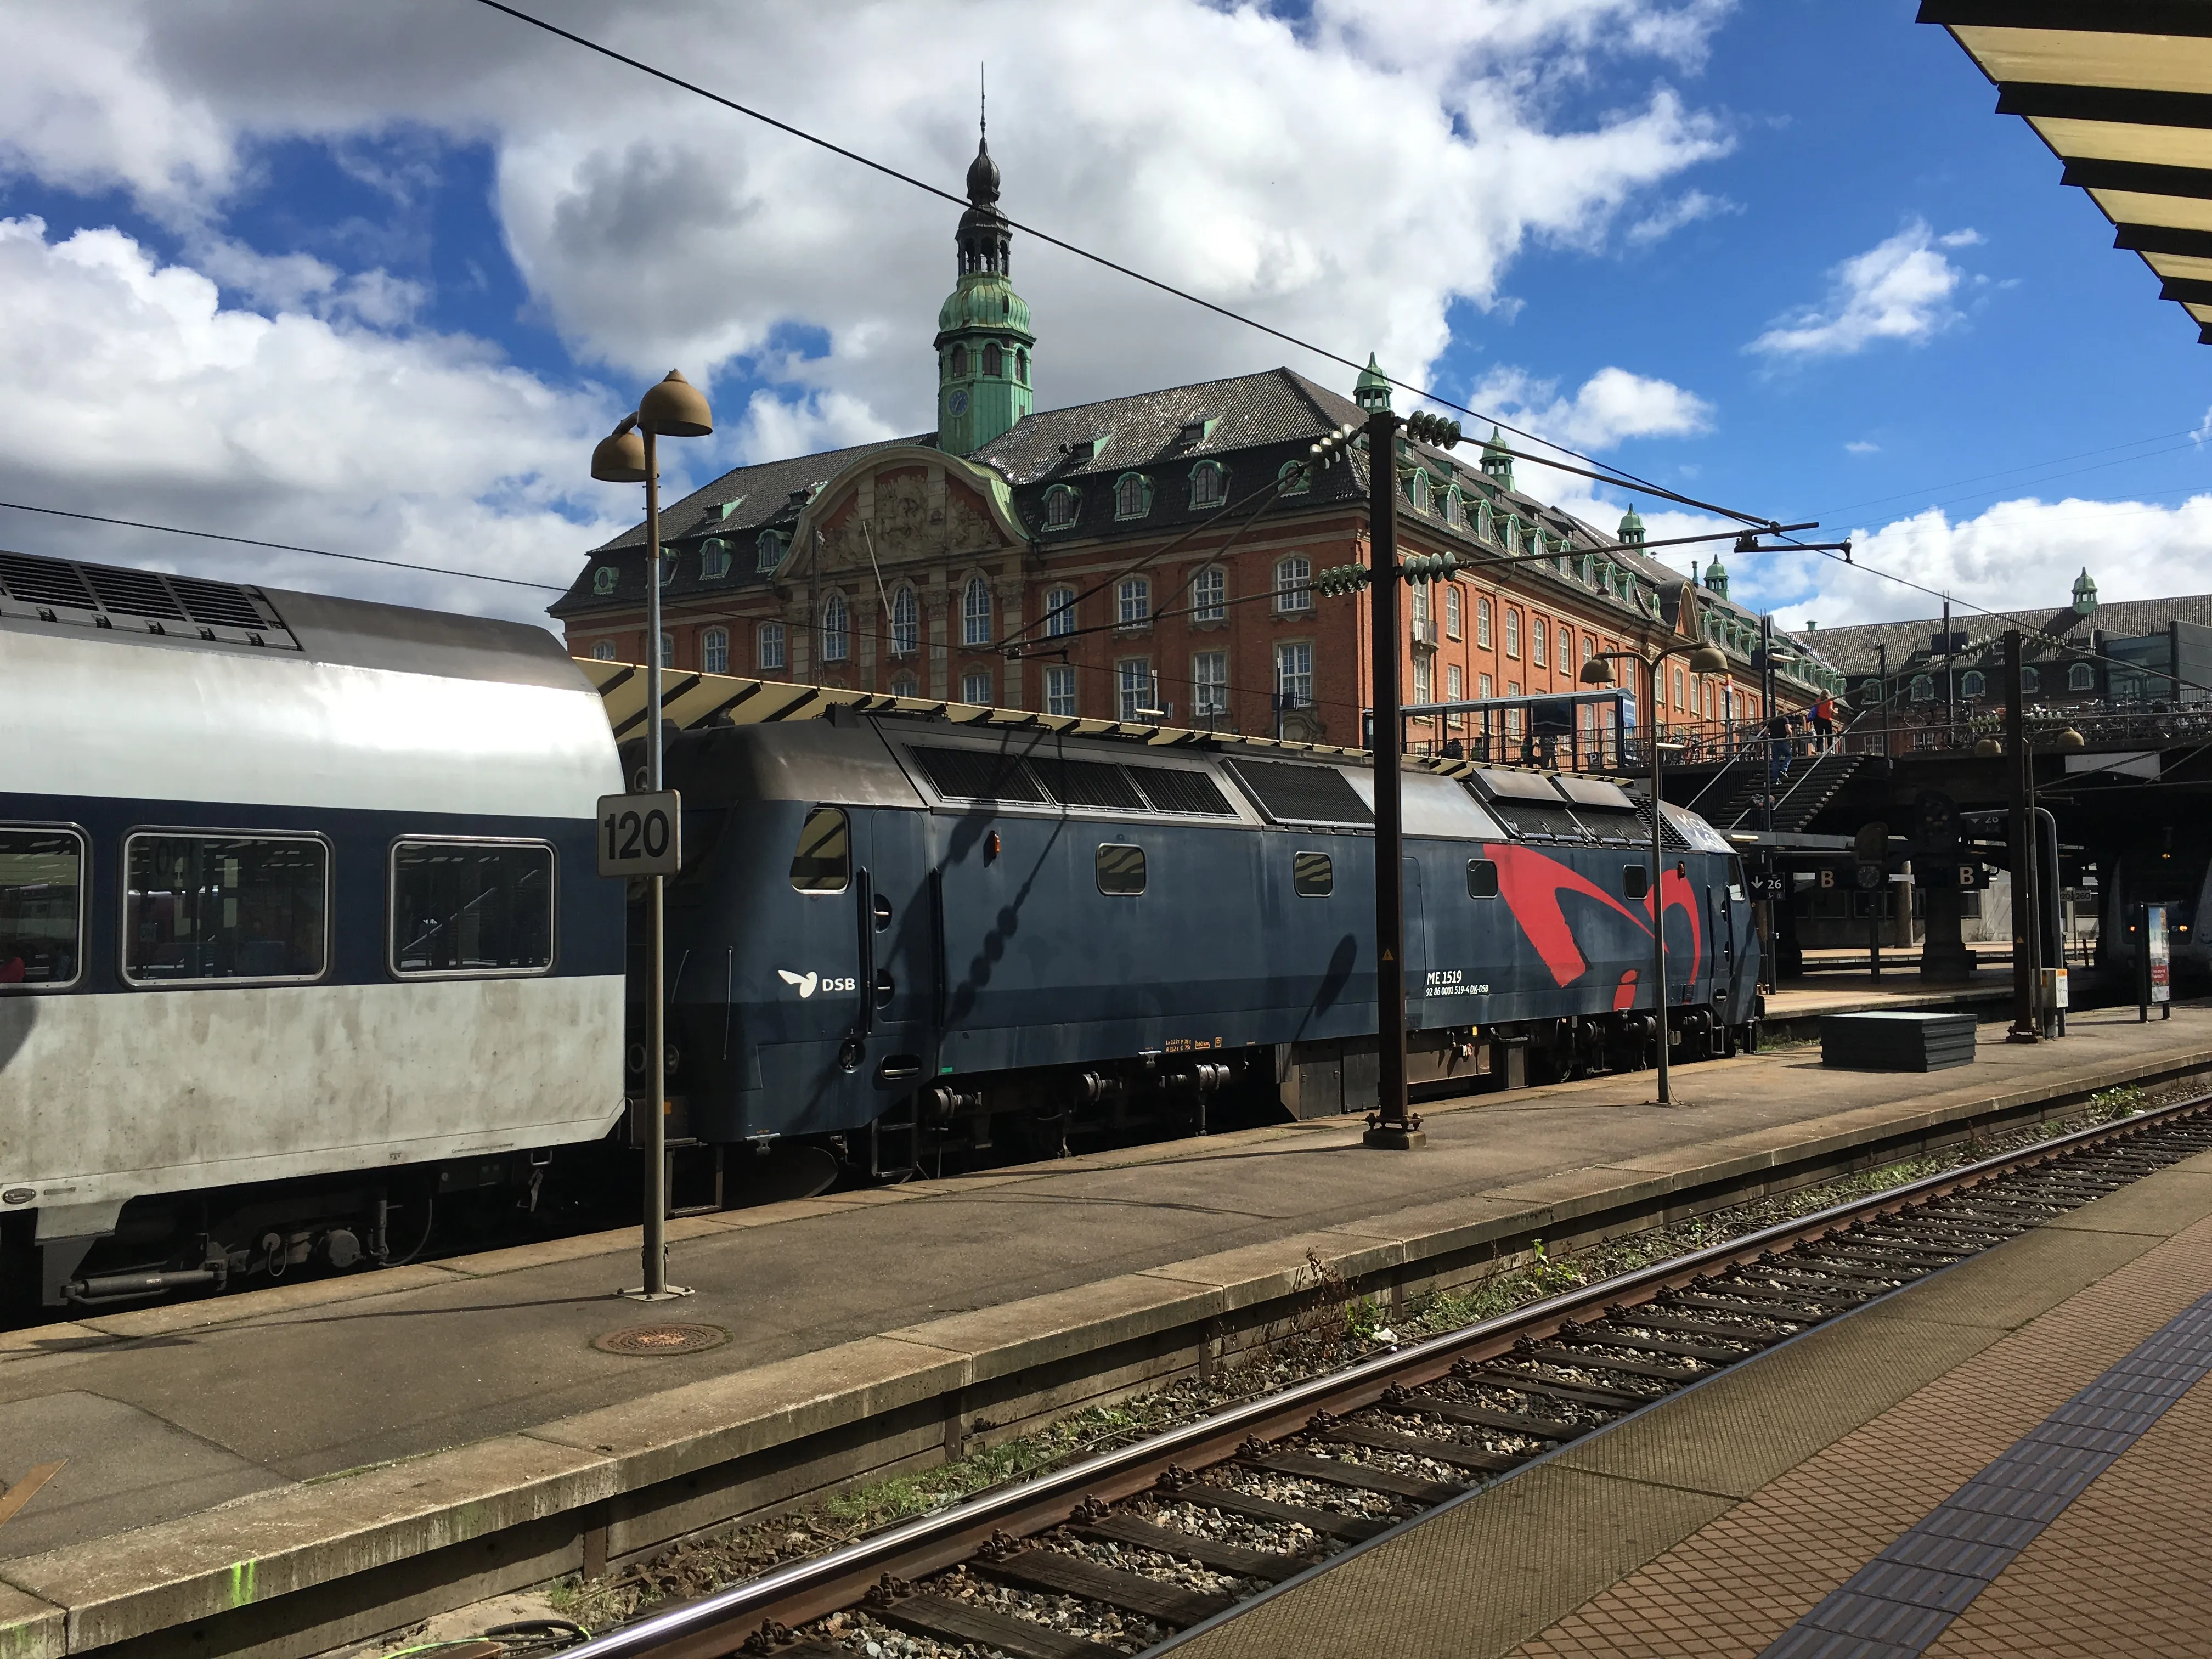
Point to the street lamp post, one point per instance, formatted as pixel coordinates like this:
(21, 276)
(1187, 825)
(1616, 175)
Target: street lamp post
(630, 455)
(1598, 670)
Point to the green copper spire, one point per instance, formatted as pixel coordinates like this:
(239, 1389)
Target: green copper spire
(1630, 533)
(2085, 593)
(983, 339)
(1496, 462)
(1371, 390)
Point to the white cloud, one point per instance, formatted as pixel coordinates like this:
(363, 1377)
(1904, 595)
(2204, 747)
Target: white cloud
(2018, 556)
(1861, 446)
(1900, 289)
(133, 391)
(1685, 210)
(1612, 405)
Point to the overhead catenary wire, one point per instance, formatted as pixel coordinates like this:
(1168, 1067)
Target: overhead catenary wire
(1620, 477)
(285, 547)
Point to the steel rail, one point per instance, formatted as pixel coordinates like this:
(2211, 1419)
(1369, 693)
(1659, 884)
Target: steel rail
(715, 1625)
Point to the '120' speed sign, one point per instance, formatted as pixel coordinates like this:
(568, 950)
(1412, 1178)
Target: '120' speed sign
(638, 834)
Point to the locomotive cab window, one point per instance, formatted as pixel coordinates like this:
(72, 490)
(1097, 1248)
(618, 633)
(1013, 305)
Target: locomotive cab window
(1635, 881)
(41, 908)
(200, 908)
(824, 860)
(1312, 875)
(471, 908)
(1120, 869)
(1482, 878)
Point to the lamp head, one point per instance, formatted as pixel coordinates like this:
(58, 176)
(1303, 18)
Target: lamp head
(1596, 671)
(2069, 738)
(1708, 659)
(675, 408)
(620, 456)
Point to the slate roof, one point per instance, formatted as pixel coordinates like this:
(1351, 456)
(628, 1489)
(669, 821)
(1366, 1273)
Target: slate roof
(1252, 424)
(2050, 634)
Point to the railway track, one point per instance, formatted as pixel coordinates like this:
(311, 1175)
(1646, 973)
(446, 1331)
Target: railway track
(1123, 1550)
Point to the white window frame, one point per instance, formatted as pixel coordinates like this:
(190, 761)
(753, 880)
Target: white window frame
(1512, 633)
(768, 634)
(1539, 641)
(1209, 696)
(836, 630)
(1058, 689)
(1454, 611)
(1133, 686)
(968, 686)
(906, 621)
(1059, 613)
(392, 909)
(714, 641)
(1294, 591)
(603, 651)
(667, 651)
(235, 981)
(1132, 601)
(1482, 622)
(1209, 595)
(976, 609)
(1294, 661)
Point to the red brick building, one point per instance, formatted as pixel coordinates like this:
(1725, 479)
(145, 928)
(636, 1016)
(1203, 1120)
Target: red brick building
(1081, 561)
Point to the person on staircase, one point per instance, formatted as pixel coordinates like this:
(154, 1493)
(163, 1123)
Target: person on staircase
(1824, 723)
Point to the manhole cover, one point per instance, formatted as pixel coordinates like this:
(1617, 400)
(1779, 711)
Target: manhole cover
(662, 1338)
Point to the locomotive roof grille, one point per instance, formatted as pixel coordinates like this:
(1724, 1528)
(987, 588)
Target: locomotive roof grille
(1086, 783)
(138, 601)
(977, 775)
(1172, 789)
(1670, 838)
(1291, 792)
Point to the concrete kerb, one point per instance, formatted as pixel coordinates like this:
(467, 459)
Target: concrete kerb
(847, 1413)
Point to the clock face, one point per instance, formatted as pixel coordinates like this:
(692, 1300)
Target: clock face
(957, 403)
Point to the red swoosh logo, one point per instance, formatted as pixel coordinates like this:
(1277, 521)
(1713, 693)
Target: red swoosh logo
(1531, 883)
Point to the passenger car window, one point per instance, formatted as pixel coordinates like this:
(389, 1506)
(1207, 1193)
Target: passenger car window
(220, 907)
(1312, 876)
(1481, 878)
(1120, 869)
(471, 908)
(824, 860)
(41, 907)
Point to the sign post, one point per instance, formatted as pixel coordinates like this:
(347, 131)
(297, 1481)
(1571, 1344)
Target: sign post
(2157, 966)
(642, 835)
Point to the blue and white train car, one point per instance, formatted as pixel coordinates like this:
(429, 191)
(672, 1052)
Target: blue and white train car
(299, 924)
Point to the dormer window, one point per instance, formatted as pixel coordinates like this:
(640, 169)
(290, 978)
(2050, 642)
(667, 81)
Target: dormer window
(1060, 502)
(1417, 491)
(713, 559)
(768, 551)
(605, 578)
(1132, 495)
(1209, 484)
(1295, 479)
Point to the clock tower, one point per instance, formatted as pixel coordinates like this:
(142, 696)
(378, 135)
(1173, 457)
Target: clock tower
(984, 339)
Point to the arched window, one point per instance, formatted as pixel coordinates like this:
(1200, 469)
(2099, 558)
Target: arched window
(1449, 505)
(605, 578)
(1059, 612)
(1482, 623)
(1208, 484)
(1132, 496)
(2030, 680)
(1417, 490)
(906, 623)
(1452, 610)
(715, 651)
(1208, 593)
(975, 687)
(1537, 634)
(713, 559)
(976, 612)
(1923, 688)
(836, 630)
(905, 685)
(1484, 526)
(1132, 601)
(667, 567)
(603, 651)
(994, 361)
(2080, 677)
(1295, 480)
(960, 363)
(1512, 632)
(769, 646)
(1060, 505)
(1566, 649)
(1022, 365)
(768, 551)
(1512, 534)
(1291, 593)
(1972, 684)
(668, 651)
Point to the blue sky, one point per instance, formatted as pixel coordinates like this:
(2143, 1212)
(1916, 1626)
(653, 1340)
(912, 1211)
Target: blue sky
(373, 279)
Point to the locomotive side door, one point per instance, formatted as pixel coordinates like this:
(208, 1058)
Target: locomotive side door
(896, 931)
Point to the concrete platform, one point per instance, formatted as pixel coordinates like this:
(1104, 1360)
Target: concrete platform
(278, 1473)
(1745, 1517)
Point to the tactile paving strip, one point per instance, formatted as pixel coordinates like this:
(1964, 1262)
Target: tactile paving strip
(1900, 1603)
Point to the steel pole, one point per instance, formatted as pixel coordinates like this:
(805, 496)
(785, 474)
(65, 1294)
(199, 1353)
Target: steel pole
(1659, 893)
(655, 1239)
(1391, 1126)
(2021, 851)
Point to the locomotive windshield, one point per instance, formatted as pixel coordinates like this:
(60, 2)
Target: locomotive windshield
(824, 860)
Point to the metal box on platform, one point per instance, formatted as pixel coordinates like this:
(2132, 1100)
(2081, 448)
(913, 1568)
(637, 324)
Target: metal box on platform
(1897, 1042)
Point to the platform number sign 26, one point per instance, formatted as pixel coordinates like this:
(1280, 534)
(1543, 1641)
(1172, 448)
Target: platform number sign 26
(638, 834)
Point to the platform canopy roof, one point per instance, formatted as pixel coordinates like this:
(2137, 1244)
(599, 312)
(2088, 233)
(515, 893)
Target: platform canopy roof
(2121, 91)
